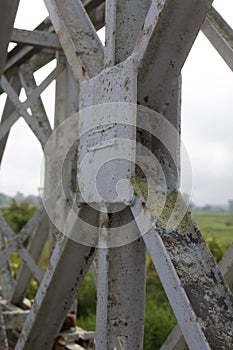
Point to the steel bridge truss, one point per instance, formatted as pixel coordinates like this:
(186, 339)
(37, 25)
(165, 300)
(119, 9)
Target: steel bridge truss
(147, 43)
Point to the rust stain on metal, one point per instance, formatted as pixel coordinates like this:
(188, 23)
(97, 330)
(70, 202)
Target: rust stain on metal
(144, 207)
(83, 71)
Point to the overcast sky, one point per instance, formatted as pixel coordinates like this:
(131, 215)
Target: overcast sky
(207, 120)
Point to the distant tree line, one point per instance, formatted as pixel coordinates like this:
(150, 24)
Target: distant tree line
(230, 205)
(6, 200)
(207, 207)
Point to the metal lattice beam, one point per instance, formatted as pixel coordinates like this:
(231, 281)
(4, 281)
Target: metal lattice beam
(78, 38)
(175, 340)
(8, 13)
(147, 43)
(35, 38)
(220, 34)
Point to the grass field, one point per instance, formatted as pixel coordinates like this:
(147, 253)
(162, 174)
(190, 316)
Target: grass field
(216, 224)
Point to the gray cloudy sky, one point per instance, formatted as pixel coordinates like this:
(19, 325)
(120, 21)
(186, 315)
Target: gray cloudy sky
(207, 120)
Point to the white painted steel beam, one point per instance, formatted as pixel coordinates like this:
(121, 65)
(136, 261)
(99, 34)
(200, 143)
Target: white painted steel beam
(7, 18)
(168, 45)
(175, 340)
(14, 319)
(67, 268)
(6, 275)
(220, 35)
(22, 53)
(35, 249)
(191, 279)
(37, 108)
(33, 123)
(19, 57)
(148, 49)
(3, 336)
(8, 110)
(37, 38)
(226, 267)
(77, 36)
(67, 99)
(16, 243)
(6, 125)
(38, 57)
(121, 270)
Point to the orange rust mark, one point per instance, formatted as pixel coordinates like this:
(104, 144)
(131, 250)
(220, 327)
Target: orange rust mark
(144, 207)
(84, 71)
(60, 33)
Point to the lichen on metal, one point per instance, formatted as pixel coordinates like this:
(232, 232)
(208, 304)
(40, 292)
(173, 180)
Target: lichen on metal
(140, 65)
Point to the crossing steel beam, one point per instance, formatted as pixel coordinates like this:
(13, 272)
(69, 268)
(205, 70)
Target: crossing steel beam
(24, 274)
(37, 108)
(6, 275)
(7, 18)
(3, 336)
(35, 38)
(220, 35)
(21, 53)
(175, 340)
(78, 38)
(177, 25)
(191, 279)
(8, 110)
(22, 107)
(67, 268)
(147, 43)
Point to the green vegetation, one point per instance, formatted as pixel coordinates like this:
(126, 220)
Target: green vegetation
(217, 229)
(17, 214)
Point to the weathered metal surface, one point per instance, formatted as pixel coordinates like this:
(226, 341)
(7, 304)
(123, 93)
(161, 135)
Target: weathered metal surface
(121, 270)
(19, 57)
(35, 38)
(220, 34)
(91, 4)
(3, 337)
(67, 268)
(97, 16)
(146, 50)
(67, 99)
(124, 279)
(8, 110)
(35, 249)
(97, 145)
(226, 267)
(77, 36)
(22, 107)
(175, 340)
(192, 281)
(16, 243)
(6, 275)
(22, 53)
(37, 108)
(177, 26)
(8, 13)
(14, 319)
(33, 123)
(197, 293)
(129, 19)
